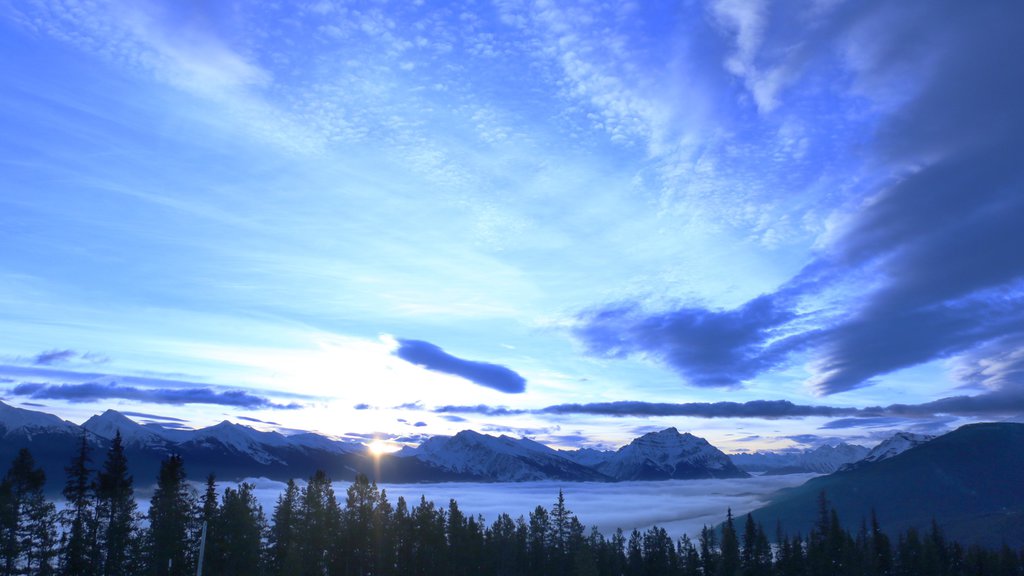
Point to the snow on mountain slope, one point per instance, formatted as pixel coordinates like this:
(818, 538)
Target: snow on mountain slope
(238, 438)
(28, 422)
(669, 454)
(108, 424)
(588, 456)
(897, 444)
(501, 459)
(318, 442)
(823, 460)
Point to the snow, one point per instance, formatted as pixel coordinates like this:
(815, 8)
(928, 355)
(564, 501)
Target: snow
(895, 445)
(32, 422)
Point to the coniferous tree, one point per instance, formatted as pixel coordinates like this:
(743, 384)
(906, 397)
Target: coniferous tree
(79, 545)
(241, 526)
(429, 544)
(558, 537)
(116, 515)
(170, 547)
(635, 554)
(710, 556)
(365, 524)
(8, 530)
(33, 518)
(729, 565)
(540, 528)
(320, 528)
(285, 551)
(211, 549)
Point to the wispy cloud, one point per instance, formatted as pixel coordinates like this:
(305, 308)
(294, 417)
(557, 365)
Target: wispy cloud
(927, 267)
(984, 405)
(91, 392)
(432, 357)
(66, 356)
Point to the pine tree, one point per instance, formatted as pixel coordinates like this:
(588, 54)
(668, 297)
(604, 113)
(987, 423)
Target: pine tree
(319, 526)
(116, 515)
(285, 553)
(558, 537)
(78, 553)
(241, 526)
(34, 517)
(212, 549)
(8, 529)
(171, 522)
(730, 561)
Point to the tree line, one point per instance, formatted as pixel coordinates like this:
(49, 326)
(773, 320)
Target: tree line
(100, 532)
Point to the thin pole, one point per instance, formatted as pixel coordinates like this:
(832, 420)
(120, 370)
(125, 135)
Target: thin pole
(202, 550)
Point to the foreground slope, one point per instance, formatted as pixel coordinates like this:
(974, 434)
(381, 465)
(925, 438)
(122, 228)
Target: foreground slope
(970, 481)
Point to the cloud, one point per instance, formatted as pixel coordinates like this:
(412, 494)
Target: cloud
(66, 356)
(770, 409)
(154, 417)
(51, 357)
(993, 404)
(432, 357)
(90, 392)
(707, 347)
(257, 420)
(871, 422)
(362, 406)
(926, 264)
(480, 409)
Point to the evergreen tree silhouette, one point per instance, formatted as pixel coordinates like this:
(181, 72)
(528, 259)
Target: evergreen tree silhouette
(79, 545)
(116, 515)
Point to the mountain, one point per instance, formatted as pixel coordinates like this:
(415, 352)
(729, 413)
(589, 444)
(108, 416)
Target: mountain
(498, 459)
(969, 481)
(661, 456)
(133, 434)
(27, 423)
(822, 460)
(896, 444)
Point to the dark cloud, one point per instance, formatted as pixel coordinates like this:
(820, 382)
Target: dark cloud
(932, 256)
(51, 357)
(432, 357)
(362, 406)
(66, 356)
(420, 424)
(988, 405)
(770, 409)
(63, 376)
(813, 440)
(706, 347)
(91, 391)
(869, 422)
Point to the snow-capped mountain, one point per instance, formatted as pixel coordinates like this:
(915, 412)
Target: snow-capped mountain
(133, 434)
(500, 459)
(664, 455)
(896, 444)
(19, 421)
(824, 459)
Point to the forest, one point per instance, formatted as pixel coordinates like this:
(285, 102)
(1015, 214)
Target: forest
(98, 531)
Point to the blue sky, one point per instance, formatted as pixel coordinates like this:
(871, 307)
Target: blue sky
(771, 224)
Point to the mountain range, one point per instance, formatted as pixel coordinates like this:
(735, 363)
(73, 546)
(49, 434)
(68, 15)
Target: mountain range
(969, 482)
(233, 451)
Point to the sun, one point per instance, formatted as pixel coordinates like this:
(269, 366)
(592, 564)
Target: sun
(378, 447)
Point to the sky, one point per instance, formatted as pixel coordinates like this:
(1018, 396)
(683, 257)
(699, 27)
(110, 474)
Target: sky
(771, 224)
